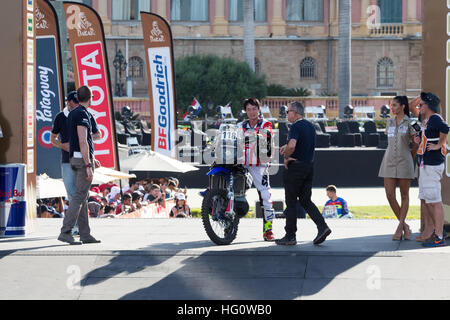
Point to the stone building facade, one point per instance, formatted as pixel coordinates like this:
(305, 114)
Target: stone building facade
(296, 41)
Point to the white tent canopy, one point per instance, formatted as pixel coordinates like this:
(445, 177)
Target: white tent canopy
(47, 187)
(153, 161)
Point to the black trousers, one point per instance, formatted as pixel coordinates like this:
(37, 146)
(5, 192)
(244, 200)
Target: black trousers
(297, 185)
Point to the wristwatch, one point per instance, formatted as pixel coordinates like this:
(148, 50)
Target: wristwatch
(89, 165)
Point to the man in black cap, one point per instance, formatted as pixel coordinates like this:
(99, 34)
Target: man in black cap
(60, 139)
(83, 130)
(432, 151)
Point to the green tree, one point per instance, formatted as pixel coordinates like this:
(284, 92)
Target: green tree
(217, 80)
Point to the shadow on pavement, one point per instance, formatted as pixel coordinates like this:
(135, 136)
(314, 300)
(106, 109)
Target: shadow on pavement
(274, 272)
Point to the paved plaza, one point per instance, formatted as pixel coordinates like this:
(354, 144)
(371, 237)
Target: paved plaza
(174, 259)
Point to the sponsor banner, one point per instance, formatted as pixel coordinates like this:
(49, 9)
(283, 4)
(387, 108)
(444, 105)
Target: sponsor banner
(159, 57)
(91, 71)
(48, 105)
(49, 87)
(90, 66)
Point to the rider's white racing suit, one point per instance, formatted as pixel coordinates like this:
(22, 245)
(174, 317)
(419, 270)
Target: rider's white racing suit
(257, 152)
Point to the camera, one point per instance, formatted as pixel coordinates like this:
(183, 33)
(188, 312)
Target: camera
(416, 126)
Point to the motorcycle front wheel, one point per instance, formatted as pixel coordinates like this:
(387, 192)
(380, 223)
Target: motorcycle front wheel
(220, 227)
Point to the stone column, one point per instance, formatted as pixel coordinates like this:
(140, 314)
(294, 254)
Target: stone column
(278, 24)
(162, 9)
(412, 11)
(219, 23)
(364, 5)
(102, 10)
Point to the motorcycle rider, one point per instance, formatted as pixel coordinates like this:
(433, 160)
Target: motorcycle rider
(255, 129)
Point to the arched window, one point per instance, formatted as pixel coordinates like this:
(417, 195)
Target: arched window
(308, 68)
(385, 73)
(257, 66)
(136, 67)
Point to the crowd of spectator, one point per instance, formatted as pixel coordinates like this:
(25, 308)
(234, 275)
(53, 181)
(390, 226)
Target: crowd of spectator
(109, 200)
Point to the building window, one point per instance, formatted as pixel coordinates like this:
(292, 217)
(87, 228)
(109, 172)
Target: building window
(129, 9)
(304, 10)
(385, 73)
(257, 66)
(236, 10)
(308, 68)
(391, 11)
(189, 10)
(136, 67)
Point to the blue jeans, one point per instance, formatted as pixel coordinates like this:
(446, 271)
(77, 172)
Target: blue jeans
(69, 179)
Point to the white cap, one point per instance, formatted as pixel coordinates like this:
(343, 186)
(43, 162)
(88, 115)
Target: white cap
(114, 191)
(180, 196)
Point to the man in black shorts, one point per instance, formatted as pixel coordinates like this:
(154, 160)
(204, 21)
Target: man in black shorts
(298, 175)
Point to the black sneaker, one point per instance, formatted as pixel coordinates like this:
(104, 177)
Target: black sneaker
(286, 241)
(68, 238)
(90, 239)
(322, 235)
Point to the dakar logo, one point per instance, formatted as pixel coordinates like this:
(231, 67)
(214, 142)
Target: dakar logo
(156, 33)
(77, 20)
(41, 23)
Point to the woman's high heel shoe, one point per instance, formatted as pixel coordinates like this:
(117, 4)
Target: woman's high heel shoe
(407, 234)
(397, 236)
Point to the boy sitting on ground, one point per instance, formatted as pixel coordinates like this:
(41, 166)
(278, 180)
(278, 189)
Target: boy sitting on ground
(335, 207)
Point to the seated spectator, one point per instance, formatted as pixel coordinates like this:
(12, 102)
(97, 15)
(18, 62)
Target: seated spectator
(136, 199)
(114, 196)
(94, 194)
(48, 212)
(335, 207)
(164, 183)
(105, 186)
(133, 186)
(106, 192)
(108, 212)
(126, 205)
(155, 196)
(104, 201)
(181, 209)
(58, 205)
(94, 209)
(172, 186)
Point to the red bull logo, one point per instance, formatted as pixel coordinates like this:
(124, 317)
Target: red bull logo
(13, 193)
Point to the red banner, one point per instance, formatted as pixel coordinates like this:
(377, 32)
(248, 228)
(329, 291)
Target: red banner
(90, 66)
(91, 72)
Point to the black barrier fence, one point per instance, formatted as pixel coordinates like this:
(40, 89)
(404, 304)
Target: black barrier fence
(349, 167)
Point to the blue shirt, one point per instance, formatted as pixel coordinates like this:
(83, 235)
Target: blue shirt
(435, 126)
(304, 132)
(339, 206)
(80, 116)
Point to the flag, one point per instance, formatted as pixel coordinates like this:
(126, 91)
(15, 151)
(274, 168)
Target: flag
(186, 116)
(197, 107)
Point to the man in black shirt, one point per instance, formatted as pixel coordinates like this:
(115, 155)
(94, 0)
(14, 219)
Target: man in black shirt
(82, 131)
(298, 175)
(60, 139)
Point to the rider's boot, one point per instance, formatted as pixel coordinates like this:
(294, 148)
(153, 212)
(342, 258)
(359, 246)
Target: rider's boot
(267, 229)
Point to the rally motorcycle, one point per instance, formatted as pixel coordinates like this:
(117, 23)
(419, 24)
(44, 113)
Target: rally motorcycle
(228, 180)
